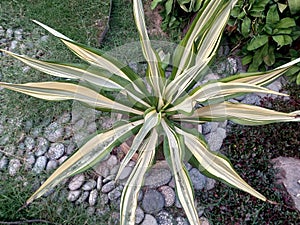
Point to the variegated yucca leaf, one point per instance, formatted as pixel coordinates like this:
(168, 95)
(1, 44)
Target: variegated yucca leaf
(68, 91)
(87, 156)
(239, 113)
(155, 115)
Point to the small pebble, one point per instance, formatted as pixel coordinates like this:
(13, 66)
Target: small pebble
(14, 166)
(169, 195)
(149, 220)
(114, 194)
(89, 185)
(139, 215)
(56, 150)
(93, 197)
(40, 164)
(73, 195)
(51, 165)
(108, 187)
(83, 197)
(99, 183)
(76, 182)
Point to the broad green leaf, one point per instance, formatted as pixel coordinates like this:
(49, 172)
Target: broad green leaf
(269, 59)
(283, 40)
(239, 113)
(247, 59)
(154, 3)
(216, 165)
(183, 185)
(294, 6)
(55, 91)
(283, 31)
(155, 71)
(151, 120)
(87, 156)
(168, 6)
(286, 23)
(298, 79)
(257, 42)
(272, 15)
(246, 25)
(129, 196)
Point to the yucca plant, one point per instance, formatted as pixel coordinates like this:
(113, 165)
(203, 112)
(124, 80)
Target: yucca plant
(157, 106)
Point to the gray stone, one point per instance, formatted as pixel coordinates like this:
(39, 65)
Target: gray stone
(29, 160)
(177, 203)
(83, 197)
(9, 33)
(153, 201)
(181, 221)
(125, 173)
(18, 34)
(68, 132)
(140, 195)
(73, 195)
(91, 128)
(108, 187)
(251, 99)
(209, 127)
(157, 177)
(44, 38)
(42, 146)
(115, 194)
(169, 195)
(40, 164)
(165, 218)
(197, 179)
(139, 215)
(56, 150)
(65, 118)
(51, 165)
(3, 162)
(29, 143)
(90, 210)
(215, 139)
(289, 175)
(14, 167)
(9, 150)
(104, 199)
(99, 183)
(89, 185)
(210, 184)
(54, 132)
(76, 182)
(149, 220)
(104, 167)
(62, 159)
(36, 131)
(13, 45)
(204, 221)
(70, 148)
(93, 197)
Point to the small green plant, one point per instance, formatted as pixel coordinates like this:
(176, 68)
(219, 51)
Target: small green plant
(174, 10)
(264, 27)
(156, 106)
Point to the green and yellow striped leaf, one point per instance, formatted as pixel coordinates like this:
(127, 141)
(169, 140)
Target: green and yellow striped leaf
(135, 181)
(184, 187)
(152, 58)
(239, 113)
(217, 92)
(151, 120)
(55, 91)
(216, 165)
(261, 78)
(87, 156)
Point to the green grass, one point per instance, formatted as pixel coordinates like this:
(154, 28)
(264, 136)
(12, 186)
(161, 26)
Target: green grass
(55, 209)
